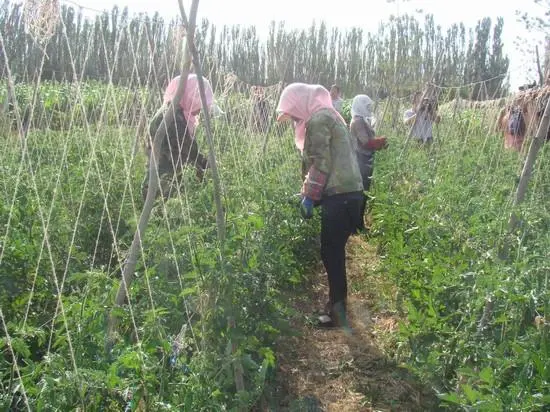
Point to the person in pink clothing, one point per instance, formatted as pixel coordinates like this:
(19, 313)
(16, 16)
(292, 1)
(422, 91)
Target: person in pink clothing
(179, 146)
(333, 181)
(191, 103)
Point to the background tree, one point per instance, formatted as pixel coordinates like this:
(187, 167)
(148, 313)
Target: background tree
(536, 48)
(401, 55)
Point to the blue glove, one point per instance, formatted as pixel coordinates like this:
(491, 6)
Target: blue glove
(306, 207)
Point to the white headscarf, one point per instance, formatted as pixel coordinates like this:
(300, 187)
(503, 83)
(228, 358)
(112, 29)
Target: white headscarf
(362, 106)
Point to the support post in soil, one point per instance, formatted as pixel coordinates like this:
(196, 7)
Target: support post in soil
(220, 219)
(281, 68)
(135, 248)
(270, 128)
(526, 173)
(238, 371)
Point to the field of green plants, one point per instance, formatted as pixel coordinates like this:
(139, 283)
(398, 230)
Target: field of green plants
(70, 202)
(474, 325)
(97, 103)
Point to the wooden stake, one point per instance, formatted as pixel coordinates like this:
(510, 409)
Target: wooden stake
(220, 218)
(154, 181)
(238, 371)
(526, 173)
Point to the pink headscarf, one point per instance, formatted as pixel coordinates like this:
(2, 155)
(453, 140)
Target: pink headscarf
(301, 101)
(191, 101)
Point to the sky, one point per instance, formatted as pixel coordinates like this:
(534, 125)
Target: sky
(349, 13)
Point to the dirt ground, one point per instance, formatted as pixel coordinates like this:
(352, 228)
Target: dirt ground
(329, 370)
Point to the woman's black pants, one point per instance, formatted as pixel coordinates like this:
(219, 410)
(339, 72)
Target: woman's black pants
(340, 218)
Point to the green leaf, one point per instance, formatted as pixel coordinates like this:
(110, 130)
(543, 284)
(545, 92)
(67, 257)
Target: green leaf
(131, 360)
(268, 355)
(471, 394)
(486, 375)
(188, 291)
(451, 398)
(20, 347)
(190, 275)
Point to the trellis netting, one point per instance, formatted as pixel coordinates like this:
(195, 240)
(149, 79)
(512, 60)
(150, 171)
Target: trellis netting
(73, 165)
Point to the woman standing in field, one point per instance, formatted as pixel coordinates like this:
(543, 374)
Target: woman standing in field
(336, 97)
(421, 116)
(333, 180)
(365, 141)
(179, 147)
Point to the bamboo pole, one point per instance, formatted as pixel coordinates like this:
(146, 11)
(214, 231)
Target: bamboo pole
(526, 173)
(281, 68)
(11, 96)
(273, 119)
(160, 135)
(238, 371)
(220, 219)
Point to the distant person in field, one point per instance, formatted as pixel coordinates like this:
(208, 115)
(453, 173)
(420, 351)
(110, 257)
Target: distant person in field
(179, 147)
(336, 97)
(365, 140)
(260, 110)
(333, 181)
(522, 117)
(422, 116)
(515, 128)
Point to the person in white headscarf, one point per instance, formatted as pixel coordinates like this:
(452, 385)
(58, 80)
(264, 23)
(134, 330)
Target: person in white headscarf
(364, 139)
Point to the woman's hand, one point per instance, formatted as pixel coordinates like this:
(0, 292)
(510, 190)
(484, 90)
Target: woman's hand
(306, 207)
(377, 143)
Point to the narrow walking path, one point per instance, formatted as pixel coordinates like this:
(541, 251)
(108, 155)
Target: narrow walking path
(326, 370)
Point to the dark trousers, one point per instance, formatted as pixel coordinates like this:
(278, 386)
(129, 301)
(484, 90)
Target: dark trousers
(366, 167)
(340, 218)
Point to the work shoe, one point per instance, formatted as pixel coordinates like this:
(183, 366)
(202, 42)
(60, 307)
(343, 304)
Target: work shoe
(336, 318)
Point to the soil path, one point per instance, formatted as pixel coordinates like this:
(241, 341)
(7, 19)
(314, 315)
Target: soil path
(327, 370)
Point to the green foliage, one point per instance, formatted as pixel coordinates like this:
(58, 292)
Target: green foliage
(476, 326)
(71, 204)
(346, 110)
(62, 106)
